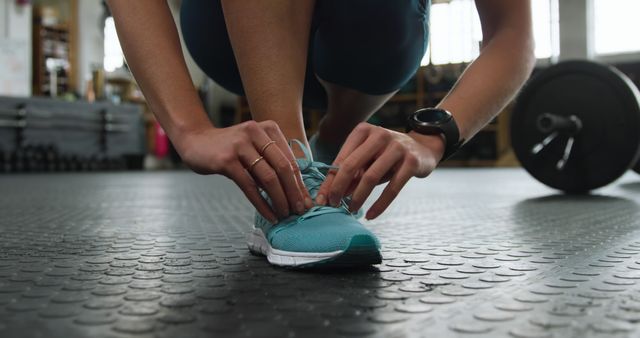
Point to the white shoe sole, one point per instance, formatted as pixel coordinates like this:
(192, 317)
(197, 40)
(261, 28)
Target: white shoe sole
(258, 244)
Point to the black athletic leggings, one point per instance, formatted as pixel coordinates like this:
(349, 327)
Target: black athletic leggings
(373, 46)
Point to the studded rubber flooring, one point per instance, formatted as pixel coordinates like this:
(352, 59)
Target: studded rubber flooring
(467, 253)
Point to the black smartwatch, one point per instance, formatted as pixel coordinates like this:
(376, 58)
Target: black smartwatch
(434, 121)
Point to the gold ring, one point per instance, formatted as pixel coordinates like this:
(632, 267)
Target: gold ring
(255, 162)
(264, 147)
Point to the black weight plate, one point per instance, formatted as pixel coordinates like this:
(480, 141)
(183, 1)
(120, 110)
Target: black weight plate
(608, 105)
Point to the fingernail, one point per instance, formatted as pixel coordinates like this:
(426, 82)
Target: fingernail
(321, 200)
(299, 208)
(308, 202)
(273, 221)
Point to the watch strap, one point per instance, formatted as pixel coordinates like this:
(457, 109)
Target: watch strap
(450, 150)
(449, 130)
(453, 142)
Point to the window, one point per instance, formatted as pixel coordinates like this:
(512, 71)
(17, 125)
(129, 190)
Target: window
(546, 28)
(113, 57)
(616, 26)
(456, 34)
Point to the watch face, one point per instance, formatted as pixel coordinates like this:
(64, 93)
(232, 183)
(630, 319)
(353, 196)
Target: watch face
(432, 116)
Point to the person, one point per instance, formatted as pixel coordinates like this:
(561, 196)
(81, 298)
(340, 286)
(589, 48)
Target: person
(345, 56)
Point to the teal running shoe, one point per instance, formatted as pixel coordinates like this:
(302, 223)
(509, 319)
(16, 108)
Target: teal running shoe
(323, 237)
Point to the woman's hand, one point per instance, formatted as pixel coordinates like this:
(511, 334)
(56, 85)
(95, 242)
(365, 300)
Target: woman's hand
(254, 155)
(373, 155)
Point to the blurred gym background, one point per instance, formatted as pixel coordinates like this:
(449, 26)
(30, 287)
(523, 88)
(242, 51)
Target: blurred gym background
(69, 103)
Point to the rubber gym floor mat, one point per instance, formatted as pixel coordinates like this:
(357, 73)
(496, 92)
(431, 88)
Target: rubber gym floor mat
(466, 253)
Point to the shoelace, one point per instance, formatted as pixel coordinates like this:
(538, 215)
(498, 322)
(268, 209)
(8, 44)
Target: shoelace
(313, 178)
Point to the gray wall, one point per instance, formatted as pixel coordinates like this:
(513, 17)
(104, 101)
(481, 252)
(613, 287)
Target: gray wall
(575, 26)
(15, 31)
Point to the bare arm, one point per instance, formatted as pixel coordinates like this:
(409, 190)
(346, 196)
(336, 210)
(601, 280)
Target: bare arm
(487, 85)
(150, 41)
(504, 64)
(270, 42)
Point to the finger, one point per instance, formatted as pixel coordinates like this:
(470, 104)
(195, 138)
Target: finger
(250, 189)
(323, 191)
(386, 177)
(354, 184)
(308, 201)
(267, 178)
(285, 171)
(353, 141)
(357, 161)
(262, 172)
(283, 168)
(355, 138)
(281, 157)
(390, 192)
(373, 176)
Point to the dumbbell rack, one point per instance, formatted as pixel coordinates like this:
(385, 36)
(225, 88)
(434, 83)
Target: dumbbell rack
(40, 134)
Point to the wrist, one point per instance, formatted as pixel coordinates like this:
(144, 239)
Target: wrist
(183, 138)
(435, 143)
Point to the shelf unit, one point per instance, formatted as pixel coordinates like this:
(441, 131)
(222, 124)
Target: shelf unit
(51, 60)
(54, 54)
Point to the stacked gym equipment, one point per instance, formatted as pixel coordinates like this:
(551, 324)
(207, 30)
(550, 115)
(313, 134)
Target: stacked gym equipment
(576, 126)
(47, 158)
(45, 135)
